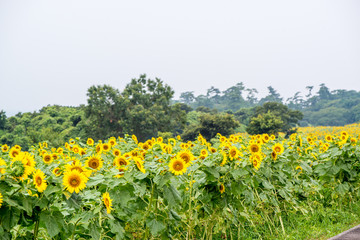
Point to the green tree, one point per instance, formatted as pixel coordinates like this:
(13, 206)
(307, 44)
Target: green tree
(211, 124)
(269, 113)
(2, 120)
(143, 108)
(265, 123)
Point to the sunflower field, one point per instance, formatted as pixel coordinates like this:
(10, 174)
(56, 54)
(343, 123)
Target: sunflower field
(120, 188)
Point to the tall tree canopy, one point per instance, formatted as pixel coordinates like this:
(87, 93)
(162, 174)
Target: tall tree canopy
(142, 108)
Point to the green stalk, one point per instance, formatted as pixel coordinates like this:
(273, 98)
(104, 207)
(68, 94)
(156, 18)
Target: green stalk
(36, 229)
(149, 208)
(190, 211)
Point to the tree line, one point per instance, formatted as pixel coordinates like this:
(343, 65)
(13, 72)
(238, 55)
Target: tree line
(146, 108)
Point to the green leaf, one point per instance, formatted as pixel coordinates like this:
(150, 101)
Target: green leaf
(342, 188)
(162, 180)
(28, 206)
(156, 227)
(116, 228)
(95, 180)
(267, 185)
(95, 230)
(139, 175)
(213, 171)
(52, 226)
(172, 195)
(9, 217)
(74, 201)
(173, 214)
(51, 189)
(238, 173)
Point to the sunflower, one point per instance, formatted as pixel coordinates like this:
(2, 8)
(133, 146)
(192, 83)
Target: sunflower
(76, 149)
(94, 162)
(98, 148)
(186, 155)
(56, 171)
(256, 163)
(121, 161)
(76, 165)
(233, 153)
(39, 180)
(212, 150)
(139, 164)
(4, 148)
(112, 141)
(299, 168)
(90, 141)
(106, 147)
(14, 152)
(224, 160)
(74, 181)
(177, 166)
(274, 155)
(116, 152)
(145, 146)
(1, 199)
(47, 158)
(72, 141)
(328, 138)
(254, 148)
(204, 152)
(60, 150)
(107, 202)
(134, 138)
(278, 148)
(159, 139)
(265, 138)
(222, 188)
(2, 163)
(19, 167)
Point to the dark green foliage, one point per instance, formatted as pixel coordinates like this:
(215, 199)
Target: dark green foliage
(54, 124)
(316, 108)
(211, 124)
(2, 120)
(273, 117)
(265, 123)
(143, 109)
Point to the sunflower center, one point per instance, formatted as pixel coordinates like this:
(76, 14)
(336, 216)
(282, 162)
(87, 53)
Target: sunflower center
(185, 157)
(38, 181)
(106, 201)
(255, 162)
(178, 166)
(47, 158)
(122, 162)
(94, 163)
(74, 181)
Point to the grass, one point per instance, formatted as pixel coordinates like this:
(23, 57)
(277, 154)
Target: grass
(320, 224)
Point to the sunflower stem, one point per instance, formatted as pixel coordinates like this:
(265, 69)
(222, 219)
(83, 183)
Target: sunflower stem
(190, 210)
(149, 207)
(36, 228)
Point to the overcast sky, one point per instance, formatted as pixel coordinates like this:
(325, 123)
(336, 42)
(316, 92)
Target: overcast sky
(51, 52)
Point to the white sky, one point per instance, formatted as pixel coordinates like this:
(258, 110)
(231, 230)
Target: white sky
(51, 52)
